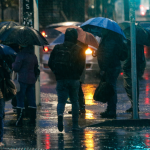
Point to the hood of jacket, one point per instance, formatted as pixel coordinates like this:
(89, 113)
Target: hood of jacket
(71, 35)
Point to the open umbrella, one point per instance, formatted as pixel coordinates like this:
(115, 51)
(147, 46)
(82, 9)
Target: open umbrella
(23, 35)
(6, 50)
(6, 25)
(141, 33)
(84, 37)
(103, 23)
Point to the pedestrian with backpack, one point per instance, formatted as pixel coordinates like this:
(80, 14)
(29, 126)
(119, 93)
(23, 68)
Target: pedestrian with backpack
(67, 64)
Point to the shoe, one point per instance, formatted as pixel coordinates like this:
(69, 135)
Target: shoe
(76, 128)
(108, 114)
(60, 123)
(32, 112)
(2, 144)
(80, 111)
(130, 110)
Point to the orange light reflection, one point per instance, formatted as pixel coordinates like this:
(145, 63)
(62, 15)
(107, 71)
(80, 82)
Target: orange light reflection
(47, 141)
(89, 114)
(89, 142)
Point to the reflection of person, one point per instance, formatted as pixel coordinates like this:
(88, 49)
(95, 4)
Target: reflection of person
(140, 60)
(69, 66)
(4, 73)
(110, 66)
(24, 64)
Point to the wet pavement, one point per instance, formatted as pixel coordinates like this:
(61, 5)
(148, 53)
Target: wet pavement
(107, 136)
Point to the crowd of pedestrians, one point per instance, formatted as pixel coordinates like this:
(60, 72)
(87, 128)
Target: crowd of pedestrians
(67, 61)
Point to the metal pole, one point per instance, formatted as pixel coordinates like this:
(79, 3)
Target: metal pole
(37, 51)
(133, 59)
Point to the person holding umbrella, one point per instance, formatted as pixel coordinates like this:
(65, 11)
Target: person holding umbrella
(24, 64)
(5, 72)
(109, 54)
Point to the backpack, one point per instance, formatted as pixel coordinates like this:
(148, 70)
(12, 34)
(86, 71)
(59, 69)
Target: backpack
(65, 60)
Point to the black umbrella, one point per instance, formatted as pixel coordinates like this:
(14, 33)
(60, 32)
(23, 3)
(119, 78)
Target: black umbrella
(23, 35)
(141, 34)
(6, 25)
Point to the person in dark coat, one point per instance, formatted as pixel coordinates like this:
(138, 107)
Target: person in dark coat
(24, 65)
(5, 72)
(140, 63)
(110, 67)
(68, 82)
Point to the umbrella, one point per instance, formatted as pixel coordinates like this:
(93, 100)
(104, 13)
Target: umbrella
(84, 37)
(6, 50)
(23, 35)
(141, 33)
(6, 25)
(104, 23)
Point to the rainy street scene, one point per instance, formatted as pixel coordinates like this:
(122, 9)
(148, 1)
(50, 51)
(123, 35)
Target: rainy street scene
(74, 74)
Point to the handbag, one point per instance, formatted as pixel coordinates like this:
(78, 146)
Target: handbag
(103, 92)
(36, 71)
(15, 80)
(9, 90)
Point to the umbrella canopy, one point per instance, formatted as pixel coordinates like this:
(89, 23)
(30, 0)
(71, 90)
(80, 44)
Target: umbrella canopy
(6, 50)
(23, 35)
(104, 23)
(84, 37)
(141, 34)
(6, 25)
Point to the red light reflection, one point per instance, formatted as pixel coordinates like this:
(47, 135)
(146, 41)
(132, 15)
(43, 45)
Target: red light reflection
(47, 141)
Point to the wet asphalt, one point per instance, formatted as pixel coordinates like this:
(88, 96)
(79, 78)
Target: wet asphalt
(96, 133)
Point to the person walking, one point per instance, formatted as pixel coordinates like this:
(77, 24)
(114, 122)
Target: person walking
(81, 98)
(140, 63)
(67, 64)
(110, 67)
(5, 72)
(24, 65)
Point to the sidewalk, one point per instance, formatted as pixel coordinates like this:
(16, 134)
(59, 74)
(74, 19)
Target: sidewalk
(47, 136)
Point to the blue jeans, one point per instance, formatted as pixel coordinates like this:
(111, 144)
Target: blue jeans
(65, 89)
(27, 90)
(2, 106)
(111, 77)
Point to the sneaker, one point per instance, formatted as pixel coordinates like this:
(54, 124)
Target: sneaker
(80, 111)
(1, 144)
(108, 114)
(130, 110)
(76, 128)
(60, 123)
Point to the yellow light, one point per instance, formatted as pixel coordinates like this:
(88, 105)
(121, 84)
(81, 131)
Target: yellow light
(88, 51)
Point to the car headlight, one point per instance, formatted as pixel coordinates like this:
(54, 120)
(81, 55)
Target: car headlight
(88, 51)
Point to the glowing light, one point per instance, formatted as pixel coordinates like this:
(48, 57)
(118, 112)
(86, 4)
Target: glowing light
(142, 13)
(121, 73)
(88, 51)
(43, 33)
(46, 49)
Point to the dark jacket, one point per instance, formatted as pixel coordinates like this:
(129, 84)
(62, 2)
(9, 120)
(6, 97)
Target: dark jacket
(107, 54)
(24, 64)
(5, 72)
(140, 57)
(70, 41)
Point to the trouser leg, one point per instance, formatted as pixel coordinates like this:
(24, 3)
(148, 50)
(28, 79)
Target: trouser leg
(81, 99)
